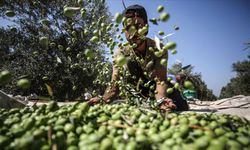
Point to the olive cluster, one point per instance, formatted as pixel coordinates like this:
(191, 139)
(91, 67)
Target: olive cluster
(118, 126)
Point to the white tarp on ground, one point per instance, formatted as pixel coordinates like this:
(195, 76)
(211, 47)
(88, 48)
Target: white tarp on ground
(237, 105)
(7, 101)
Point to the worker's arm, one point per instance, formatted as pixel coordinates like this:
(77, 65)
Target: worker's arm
(160, 73)
(167, 104)
(110, 93)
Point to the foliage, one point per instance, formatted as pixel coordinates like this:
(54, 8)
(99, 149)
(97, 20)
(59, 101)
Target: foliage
(63, 64)
(239, 85)
(203, 92)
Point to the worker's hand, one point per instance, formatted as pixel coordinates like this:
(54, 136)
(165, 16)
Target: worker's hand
(94, 100)
(167, 105)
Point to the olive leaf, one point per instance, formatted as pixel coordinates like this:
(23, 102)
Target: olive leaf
(49, 89)
(157, 43)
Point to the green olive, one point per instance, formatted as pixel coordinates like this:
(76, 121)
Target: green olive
(216, 144)
(23, 83)
(132, 30)
(234, 145)
(80, 2)
(161, 33)
(169, 45)
(164, 17)
(219, 131)
(176, 85)
(5, 76)
(45, 22)
(176, 27)
(70, 11)
(118, 17)
(106, 144)
(84, 107)
(184, 129)
(166, 134)
(130, 131)
(120, 60)
(151, 49)
(170, 90)
(94, 39)
(83, 12)
(154, 21)
(88, 53)
(160, 8)
(10, 13)
(13, 29)
(68, 127)
(155, 138)
(60, 47)
(174, 51)
(44, 41)
(158, 53)
(4, 141)
(243, 140)
(143, 30)
(131, 145)
(164, 62)
(188, 85)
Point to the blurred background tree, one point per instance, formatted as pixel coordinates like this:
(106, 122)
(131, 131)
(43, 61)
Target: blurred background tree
(203, 93)
(239, 85)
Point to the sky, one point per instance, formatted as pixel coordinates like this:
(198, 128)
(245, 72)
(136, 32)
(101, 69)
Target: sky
(211, 36)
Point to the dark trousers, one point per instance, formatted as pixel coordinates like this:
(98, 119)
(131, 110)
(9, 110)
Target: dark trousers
(179, 101)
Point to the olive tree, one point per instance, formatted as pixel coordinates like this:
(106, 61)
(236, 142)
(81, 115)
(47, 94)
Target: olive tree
(57, 45)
